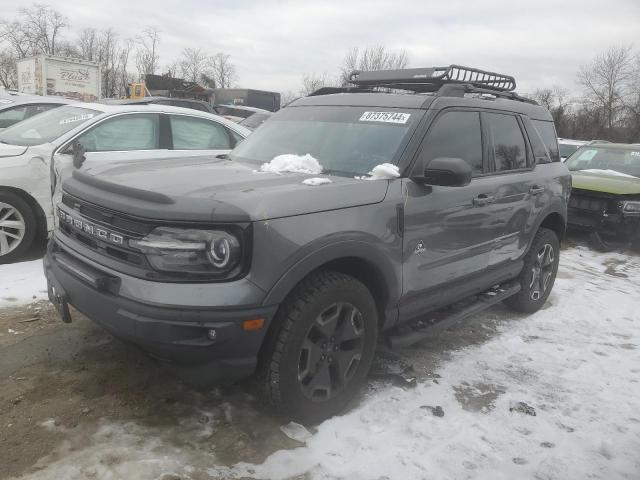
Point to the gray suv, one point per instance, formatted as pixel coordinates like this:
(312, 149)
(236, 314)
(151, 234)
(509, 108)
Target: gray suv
(229, 268)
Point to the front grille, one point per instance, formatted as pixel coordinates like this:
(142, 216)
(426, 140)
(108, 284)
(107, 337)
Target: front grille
(594, 202)
(587, 203)
(98, 229)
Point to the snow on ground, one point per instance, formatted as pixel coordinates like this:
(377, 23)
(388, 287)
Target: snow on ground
(292, 163)
(314, 182)
(384, 171)
(22, 283)
(576, 362)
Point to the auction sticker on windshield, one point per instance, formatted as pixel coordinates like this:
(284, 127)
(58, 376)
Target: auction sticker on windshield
(76, 118)
(386, 117)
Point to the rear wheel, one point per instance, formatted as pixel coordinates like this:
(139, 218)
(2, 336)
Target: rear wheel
(321, 351)
(18, 227)
(538, 273)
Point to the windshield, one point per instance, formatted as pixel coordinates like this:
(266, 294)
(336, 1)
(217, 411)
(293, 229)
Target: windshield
(46, 127)
(345, 140)
(624, 160)
(566, 149)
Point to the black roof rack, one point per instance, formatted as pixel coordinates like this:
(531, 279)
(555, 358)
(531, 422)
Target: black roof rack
(431, 79)
(451, 81)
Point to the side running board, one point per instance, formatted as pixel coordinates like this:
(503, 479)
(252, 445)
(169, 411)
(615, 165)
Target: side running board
(422, 330)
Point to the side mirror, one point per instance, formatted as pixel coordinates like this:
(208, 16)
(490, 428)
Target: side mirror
(78, 152)
(446, 172)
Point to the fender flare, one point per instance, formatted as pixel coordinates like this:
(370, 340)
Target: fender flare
(378, 260)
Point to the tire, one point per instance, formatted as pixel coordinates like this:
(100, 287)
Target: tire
(318, 357)
(18, 227)
(538, 273)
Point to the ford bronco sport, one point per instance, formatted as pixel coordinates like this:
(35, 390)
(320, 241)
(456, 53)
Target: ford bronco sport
(228, 272)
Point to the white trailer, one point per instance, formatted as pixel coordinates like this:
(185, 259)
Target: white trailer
(61, 76)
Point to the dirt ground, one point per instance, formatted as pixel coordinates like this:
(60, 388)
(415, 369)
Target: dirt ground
(58, 380)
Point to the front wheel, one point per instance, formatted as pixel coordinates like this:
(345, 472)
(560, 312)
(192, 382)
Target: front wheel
(321, 351)
(538, 273)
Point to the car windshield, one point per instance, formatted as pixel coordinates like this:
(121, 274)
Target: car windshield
(46, 127)
(622, 160)
(567, 149)
(344, 140)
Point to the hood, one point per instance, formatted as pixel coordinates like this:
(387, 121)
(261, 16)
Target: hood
(606, 183)
(7, 150)
(215, 190)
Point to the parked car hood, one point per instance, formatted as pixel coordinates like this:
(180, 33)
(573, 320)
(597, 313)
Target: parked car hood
(605, 182)
(7, 150)
(215, 190)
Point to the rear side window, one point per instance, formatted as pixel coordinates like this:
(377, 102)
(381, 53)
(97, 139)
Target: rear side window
(455, 135)
(12, 115)
(191, 133)
(123, 133)
(547, 132)
(507, 141)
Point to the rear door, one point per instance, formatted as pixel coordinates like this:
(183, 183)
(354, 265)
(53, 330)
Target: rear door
(517, 188)
(449, 232)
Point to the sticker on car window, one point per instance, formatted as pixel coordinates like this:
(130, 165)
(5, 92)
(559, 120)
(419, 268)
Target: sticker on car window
(386, 117)
(635, 154)
(77, 118)
(587, 154)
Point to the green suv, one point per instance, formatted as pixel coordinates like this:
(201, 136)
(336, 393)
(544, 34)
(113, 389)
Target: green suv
(605, 198)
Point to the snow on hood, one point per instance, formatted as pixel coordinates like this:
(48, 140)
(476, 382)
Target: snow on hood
(384, 171)
(292, 163)
(314, 182)
(609, 172)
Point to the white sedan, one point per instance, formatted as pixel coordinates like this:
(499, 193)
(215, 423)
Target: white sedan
(37, 154)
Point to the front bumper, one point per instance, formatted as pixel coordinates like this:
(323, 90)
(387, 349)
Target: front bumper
(622, 227)
(176, 334)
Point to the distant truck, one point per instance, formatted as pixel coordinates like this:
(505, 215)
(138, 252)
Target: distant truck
(247, 97)
(60, 76)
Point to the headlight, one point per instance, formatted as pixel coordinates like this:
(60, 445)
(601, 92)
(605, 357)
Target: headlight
(208, 252)
(631, 207)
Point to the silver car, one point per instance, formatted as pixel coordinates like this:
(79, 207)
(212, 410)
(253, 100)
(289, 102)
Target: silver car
(38, 153)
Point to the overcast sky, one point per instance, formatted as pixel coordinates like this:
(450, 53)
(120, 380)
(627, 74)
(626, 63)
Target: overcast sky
(273, 43)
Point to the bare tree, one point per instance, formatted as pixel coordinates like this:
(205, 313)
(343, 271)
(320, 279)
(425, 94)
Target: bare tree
(37, 30)
(604, 82)
(44, 26)
(147, 55)
(8, 73)
(222, 70)
(372, 58)
(173, 69)
(312, 82)
(193, 64)
(88, 44)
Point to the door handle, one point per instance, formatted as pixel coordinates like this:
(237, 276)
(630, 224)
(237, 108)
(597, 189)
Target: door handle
(536, 190)
(483, 199)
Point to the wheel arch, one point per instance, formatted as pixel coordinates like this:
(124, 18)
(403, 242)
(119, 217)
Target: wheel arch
(360, 260)
(555, 221)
